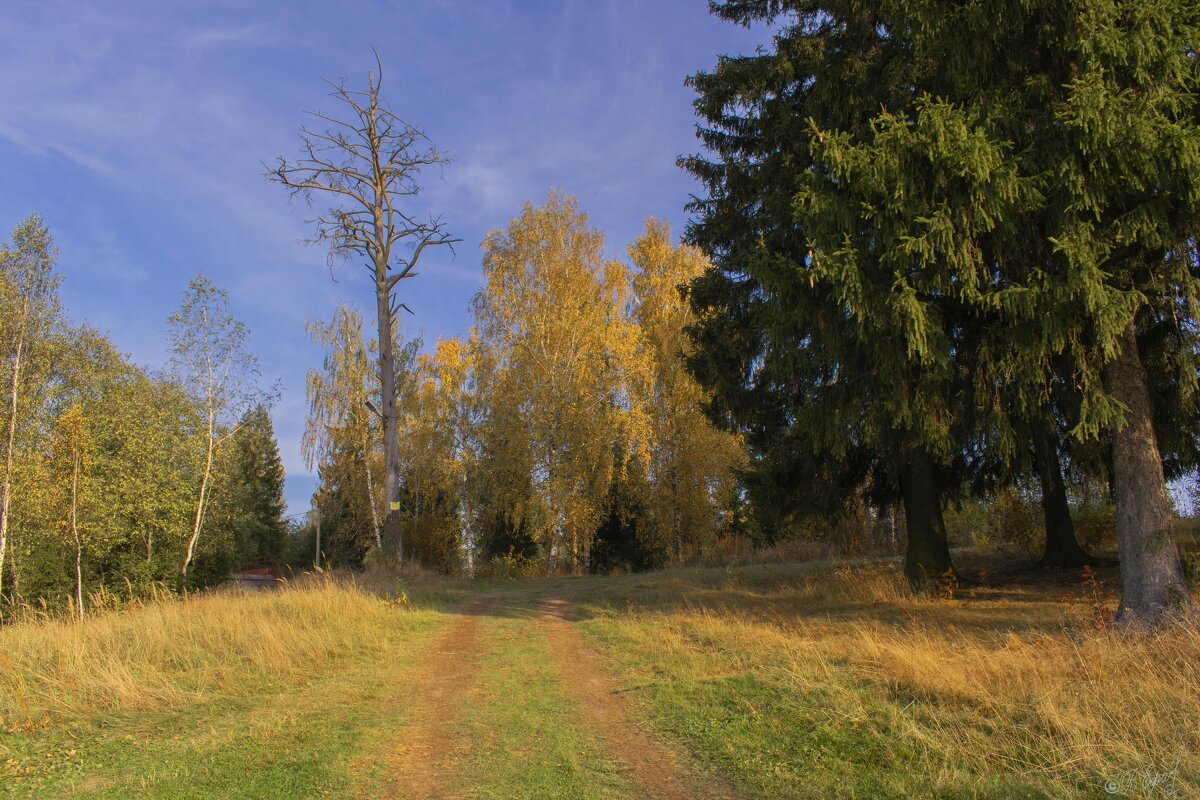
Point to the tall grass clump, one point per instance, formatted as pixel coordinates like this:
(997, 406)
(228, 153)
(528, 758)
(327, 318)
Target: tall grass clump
(173, 651)
(1082, 704)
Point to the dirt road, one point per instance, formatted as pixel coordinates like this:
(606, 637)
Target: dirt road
(434, 754)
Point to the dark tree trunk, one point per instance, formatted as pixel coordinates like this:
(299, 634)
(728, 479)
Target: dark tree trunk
(1152, 578)
(927, 556)
(1062, 548)
(392, 532)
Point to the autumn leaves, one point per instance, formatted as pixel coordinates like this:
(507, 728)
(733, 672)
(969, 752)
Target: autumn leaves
(571, 381)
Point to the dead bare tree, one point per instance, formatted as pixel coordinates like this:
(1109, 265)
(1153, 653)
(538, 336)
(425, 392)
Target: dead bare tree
(368, 164)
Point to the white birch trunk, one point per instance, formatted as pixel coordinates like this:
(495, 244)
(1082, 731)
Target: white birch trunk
(208, 462)
(211, 446)
(6, 490)
(75, 533)
(374, 506)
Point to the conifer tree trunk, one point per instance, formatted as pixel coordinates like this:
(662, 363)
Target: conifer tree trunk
(1062, 548)
(1152, 578)
(927, 556)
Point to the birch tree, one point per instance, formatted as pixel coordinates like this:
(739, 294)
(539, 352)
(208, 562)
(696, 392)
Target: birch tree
(28, 307)
(552, 327)
(208, 352)
(146, 465)
(690, 463)
(367, 163)
(135, 492)
(444, 434)
(72, 450)
(340, 398)
(453, 367)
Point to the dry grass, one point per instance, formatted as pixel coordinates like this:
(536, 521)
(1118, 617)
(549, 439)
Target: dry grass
(995, 682)
(1063, 704)
(733, 550)
(171, 652)
(818, 679)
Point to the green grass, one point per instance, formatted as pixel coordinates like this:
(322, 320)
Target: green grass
(795, 683)
(787, 681)
(328, 733)
(313, 737)
(529, 739)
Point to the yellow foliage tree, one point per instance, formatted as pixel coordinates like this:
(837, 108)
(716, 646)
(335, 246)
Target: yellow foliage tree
(690, 463)
(555, 338)
(72, 459)
(439, 437)
(339, 401)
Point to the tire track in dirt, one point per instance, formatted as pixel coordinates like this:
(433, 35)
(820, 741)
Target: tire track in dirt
(421, 764)
(653, 767)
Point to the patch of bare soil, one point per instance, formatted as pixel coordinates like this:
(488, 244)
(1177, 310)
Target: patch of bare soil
(422, 763)
(655, 768)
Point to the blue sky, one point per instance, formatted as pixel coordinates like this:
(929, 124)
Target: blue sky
(138, 130)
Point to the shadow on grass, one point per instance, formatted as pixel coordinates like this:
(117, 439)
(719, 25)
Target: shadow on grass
(801, 595)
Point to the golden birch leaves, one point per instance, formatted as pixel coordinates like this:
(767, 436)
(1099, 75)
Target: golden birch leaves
(580, 372)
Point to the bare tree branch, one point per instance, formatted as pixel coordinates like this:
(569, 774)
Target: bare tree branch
(365, 164)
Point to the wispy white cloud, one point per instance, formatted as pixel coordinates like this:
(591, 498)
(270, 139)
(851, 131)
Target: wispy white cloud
(140, 127)
(214, 37)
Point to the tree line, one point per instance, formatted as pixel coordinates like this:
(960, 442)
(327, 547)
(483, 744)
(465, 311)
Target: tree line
(952, 250)
(563, 434)
(119, 481)
(939, 252)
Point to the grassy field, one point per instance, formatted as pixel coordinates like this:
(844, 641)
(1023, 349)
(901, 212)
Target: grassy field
(763, 681)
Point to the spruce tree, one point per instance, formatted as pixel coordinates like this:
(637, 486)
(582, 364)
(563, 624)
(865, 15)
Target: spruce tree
(819, 389)
(254, 491)
(940, 204)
